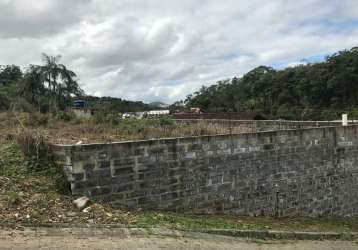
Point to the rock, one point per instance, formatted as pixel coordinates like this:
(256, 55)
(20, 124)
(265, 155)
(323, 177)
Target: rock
(86, 210)
(81, 202)
(71, 214)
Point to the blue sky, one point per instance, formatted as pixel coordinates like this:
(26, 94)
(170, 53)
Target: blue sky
(160, 50)
(289, 63)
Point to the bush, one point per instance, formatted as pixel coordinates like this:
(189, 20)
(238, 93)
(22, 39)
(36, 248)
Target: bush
(331, 115)
(113, 119)
(36, 119)
(21, 105)
(33, 145)
(166, 121)
(106, 118)
(131, 126)
(14, 197)
(287, 112)
(66, 116)
(4, 102)
(99, 117)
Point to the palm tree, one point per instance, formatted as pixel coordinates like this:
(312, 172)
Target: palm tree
(60, 81)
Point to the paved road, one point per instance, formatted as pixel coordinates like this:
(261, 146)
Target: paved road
(14, 240)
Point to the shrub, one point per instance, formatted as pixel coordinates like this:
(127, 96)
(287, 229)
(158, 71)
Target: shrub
(14, 197)
(66, 115)
(166, 121)
(36, 119)
(331, 114)
(113, 119)
(21, 105)
(33, 145)
(97, 118)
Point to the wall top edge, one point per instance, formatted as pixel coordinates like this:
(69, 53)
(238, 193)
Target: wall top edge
(202, 136)
(274, 121)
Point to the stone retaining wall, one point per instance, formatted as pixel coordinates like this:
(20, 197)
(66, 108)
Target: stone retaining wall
(307, 171)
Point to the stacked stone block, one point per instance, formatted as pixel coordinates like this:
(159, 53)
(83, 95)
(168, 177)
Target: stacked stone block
(310, 172)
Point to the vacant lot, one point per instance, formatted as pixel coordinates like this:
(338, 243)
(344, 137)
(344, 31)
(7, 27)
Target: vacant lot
(67, 129)
(33, 191)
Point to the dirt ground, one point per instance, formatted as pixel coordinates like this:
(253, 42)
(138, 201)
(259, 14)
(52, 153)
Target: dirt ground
(15, 240)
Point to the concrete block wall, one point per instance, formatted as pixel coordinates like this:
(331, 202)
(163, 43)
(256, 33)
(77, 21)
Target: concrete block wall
(310, 172)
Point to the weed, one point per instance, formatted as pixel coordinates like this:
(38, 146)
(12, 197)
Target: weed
(14, 196)
(36, 158)
(33, 146)
(166, 121)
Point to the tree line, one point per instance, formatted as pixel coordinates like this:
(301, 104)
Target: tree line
(51, 87)
(312, 91)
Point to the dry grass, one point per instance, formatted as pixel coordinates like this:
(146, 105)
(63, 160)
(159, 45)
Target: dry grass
(71, 133)
(90, 131)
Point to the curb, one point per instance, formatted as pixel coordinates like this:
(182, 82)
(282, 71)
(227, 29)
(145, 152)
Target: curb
(123, 232)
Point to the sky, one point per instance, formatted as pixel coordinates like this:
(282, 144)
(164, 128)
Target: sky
(163, 50)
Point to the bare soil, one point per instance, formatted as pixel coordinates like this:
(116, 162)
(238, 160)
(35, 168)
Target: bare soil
(17, 240)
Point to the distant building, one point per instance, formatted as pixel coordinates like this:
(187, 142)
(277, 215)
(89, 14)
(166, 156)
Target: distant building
(79, 104)
(158, 112)
(196, 110)
(143, 114)
(80, 109)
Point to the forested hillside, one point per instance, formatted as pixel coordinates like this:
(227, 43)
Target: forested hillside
(114, 104)
(51, 87)
(313, 91)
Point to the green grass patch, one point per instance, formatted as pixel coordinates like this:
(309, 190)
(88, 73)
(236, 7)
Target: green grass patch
(187, 221)
(17, 168)
(201, 222)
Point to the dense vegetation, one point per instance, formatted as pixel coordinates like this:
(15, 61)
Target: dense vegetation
(51, 87)
(313, 91)
(113, 104)
(47, 87)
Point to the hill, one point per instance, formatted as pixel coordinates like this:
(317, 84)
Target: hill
(313, 91)
(158, 105)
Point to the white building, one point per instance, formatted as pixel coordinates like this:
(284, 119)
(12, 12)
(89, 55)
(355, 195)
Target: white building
(140, 115)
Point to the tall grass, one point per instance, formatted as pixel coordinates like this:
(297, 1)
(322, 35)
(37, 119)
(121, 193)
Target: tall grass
(106, 128)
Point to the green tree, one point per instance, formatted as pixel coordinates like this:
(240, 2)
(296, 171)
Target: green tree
(60, 82)
(10, 74)
(32, 88)
(303, 92)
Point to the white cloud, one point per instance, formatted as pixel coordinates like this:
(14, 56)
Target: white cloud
(163, 50)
